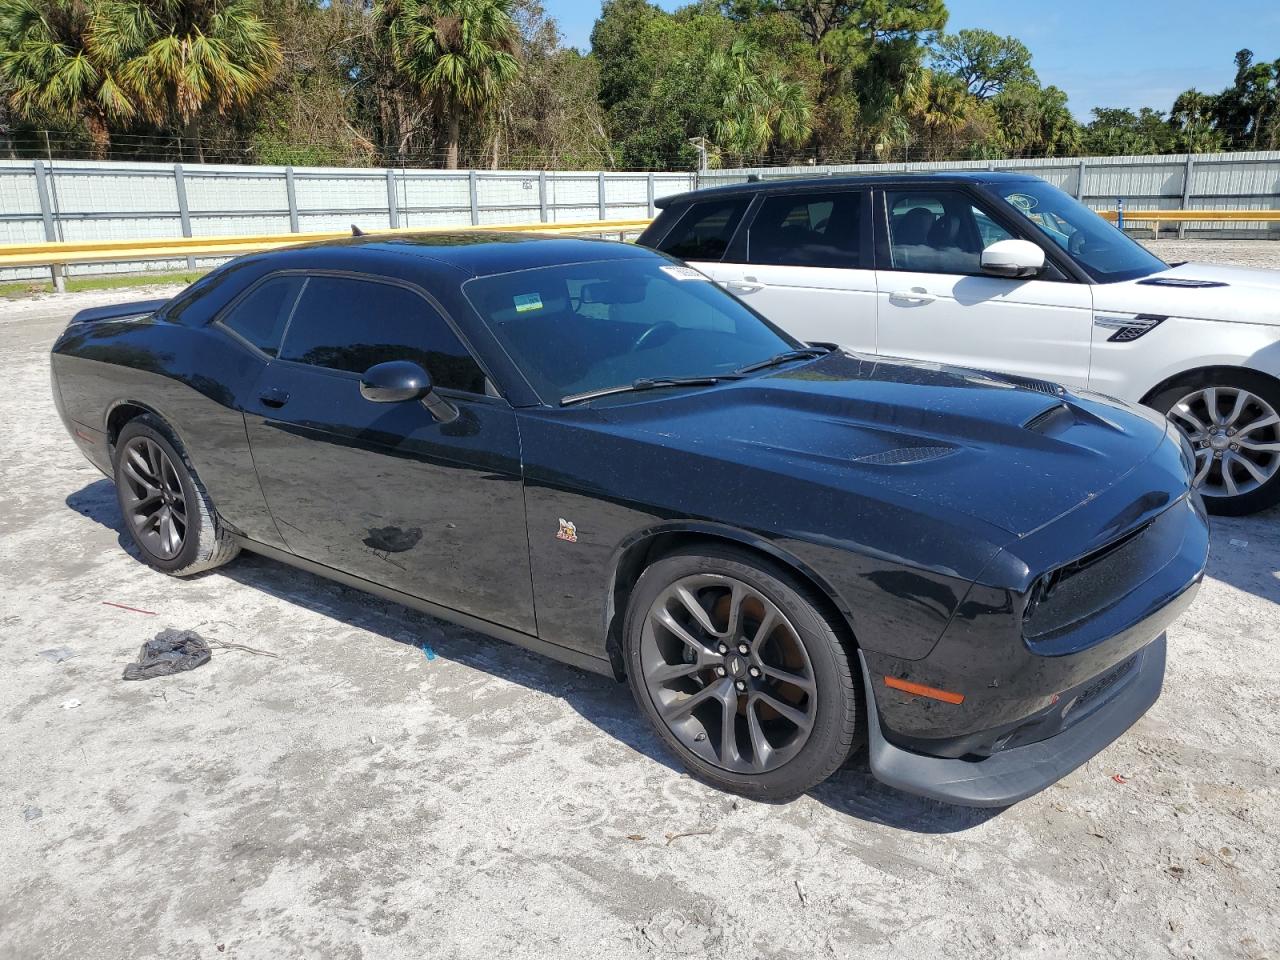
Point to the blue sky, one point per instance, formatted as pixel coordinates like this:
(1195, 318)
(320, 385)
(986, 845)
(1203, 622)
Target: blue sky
(1121, 53)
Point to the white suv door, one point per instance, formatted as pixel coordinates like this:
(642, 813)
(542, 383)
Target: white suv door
(935, 302)
(804, 262)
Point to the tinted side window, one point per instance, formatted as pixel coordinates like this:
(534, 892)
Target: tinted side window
(260, 317)
(938, 231)
(346, 324)
(704, 231)
(809, 230)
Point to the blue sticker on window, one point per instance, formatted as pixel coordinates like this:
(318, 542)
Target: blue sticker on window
(527, 301)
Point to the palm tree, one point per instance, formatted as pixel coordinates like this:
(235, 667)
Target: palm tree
(182, 58)
(460, 54)
(1192, 116)
(761, 108)
(54, 72)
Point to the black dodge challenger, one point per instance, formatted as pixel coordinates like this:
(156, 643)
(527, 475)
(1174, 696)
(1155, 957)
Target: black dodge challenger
(589, 450)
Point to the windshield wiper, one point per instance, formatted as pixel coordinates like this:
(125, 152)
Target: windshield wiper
(784, 358)
(644, 383)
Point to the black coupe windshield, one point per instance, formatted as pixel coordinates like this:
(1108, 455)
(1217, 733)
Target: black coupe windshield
(584, 327)
(1104, 251)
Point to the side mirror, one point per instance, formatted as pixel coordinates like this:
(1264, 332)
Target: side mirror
(1015, 259)
(399, 380)
(394, 382)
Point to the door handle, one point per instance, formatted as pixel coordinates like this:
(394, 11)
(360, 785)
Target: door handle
(274, 397)
(914, 295)
(745, 285)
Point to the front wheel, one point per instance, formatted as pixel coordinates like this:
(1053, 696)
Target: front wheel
(740, 672)
(1232, 422)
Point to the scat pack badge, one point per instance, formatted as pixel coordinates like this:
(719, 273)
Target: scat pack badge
(567, 531)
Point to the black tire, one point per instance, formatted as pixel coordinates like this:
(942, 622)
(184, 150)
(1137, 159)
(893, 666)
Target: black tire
(205, 542)
(1230, 381)
(835, 709)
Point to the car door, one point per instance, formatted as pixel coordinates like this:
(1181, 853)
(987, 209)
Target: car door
(385, 491)
(935, 303)
(805, 263)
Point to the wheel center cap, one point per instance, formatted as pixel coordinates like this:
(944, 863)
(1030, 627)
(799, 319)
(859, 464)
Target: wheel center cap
(737, 666)
(1219, 440)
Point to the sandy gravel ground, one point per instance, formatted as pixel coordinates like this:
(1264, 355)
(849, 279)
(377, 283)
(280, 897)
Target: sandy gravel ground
(352, 797)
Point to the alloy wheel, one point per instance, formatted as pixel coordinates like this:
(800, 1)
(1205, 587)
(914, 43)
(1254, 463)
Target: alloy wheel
(728, 674)
(154, 503)
(1236, 436)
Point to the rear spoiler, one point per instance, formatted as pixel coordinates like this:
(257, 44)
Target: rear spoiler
(119, 311)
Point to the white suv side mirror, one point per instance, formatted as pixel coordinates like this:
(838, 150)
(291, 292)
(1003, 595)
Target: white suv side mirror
(1013, 258)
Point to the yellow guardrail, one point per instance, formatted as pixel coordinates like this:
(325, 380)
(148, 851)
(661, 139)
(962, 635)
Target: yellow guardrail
(60, 253)
(1191, 216)
(1157, 217)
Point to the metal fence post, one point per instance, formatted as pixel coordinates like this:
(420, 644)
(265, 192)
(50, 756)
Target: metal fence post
(393, 206)
(1080, 179)
(1187, 173)
(649, 192)
(291, 194)
(184, 211)
(50, 228)
(542, 195)
(472, 187)
(600, 191)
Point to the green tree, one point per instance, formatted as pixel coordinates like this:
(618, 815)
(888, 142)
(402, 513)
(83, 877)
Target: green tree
(761, 108)
(52, 69)
(552, 117)
(868, 54)
(1248, 111)
(986, 62)
(182, 59)
(1121, 132)
(1192, 119)
(1035, 121)
(460, 54)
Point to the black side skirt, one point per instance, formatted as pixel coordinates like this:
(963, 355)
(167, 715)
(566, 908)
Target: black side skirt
(574, 658)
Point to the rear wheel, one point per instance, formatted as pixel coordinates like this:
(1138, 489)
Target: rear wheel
(165, 508)
(1232, 420)
(741, 673)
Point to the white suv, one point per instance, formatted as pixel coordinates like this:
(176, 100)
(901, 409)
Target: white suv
(1006, 272)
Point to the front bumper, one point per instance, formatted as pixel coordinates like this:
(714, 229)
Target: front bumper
(1016, 773)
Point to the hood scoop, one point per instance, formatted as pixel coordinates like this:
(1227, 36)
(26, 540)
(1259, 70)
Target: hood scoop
(901, 456)
(1185, 283)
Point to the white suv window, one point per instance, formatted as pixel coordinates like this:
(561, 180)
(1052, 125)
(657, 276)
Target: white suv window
(938, 231)
(807, 230)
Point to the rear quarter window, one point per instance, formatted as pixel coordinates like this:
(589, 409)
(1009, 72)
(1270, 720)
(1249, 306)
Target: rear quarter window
(705, 229)
(261, 316)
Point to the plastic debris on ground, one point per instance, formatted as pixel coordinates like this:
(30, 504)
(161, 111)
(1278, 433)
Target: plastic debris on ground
(57, 654)
(169, 652)
(32, 813)
(70, 704)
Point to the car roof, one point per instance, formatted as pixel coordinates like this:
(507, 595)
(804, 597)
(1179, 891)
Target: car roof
(475, 253)
(798, 184)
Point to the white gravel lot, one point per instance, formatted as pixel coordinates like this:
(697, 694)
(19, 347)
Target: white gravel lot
(350, 797)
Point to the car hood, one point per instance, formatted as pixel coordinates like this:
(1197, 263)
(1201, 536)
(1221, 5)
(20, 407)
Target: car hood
(1011, 453)
(1200, 291)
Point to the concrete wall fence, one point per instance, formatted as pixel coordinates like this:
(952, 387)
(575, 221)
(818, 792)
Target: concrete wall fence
(87, 200)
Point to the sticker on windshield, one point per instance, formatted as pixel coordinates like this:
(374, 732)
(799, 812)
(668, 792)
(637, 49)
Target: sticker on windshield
(527, 301)
(682, 273)
(1023, 202)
